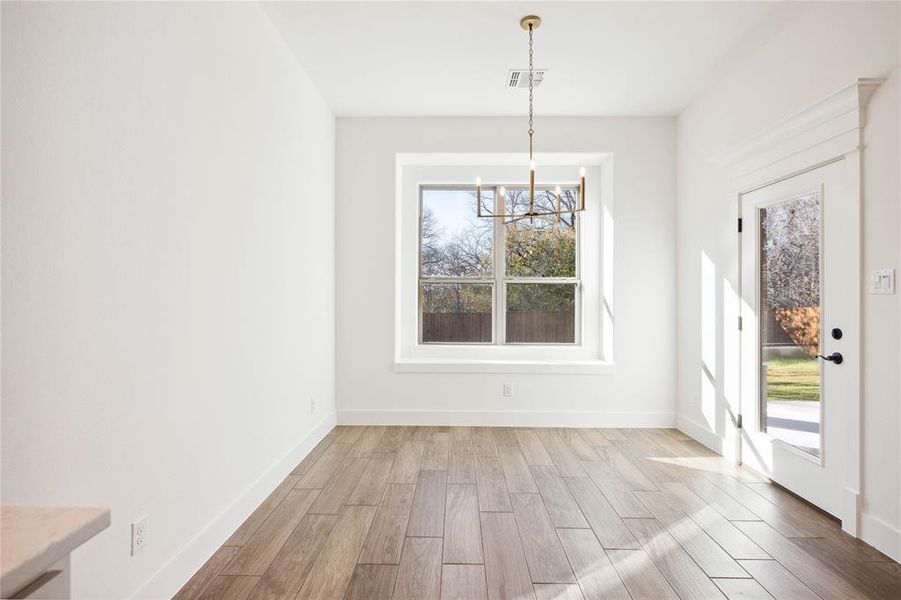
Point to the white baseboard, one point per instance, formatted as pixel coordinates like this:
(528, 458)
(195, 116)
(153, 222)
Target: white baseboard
(700, 433)
(176, 572)
(881, 535)
(491, 418)
(851, 512)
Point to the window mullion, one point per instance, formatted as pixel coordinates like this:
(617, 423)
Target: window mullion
(542, 280)
(439, 279)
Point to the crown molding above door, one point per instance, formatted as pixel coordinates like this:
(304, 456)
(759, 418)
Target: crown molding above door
(823, 131)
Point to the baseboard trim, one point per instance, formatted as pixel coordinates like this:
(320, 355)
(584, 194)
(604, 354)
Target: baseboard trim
(500, 418)
(851, 512)
(700, 433)
(881, 535)
(178, 569)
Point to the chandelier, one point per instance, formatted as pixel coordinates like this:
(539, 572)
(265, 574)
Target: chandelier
(530, 23)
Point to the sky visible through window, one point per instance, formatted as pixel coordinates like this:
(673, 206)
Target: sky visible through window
(455, 242)
(455, 210)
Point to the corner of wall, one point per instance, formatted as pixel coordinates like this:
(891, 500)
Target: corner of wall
(700, 433)
(881, 535)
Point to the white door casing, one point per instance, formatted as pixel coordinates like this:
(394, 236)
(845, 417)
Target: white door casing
(828, 132)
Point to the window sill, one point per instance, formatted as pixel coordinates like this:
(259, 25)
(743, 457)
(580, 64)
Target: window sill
(574, 367)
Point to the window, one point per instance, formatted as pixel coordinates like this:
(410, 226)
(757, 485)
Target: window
(541, 285)
(456, 268)
(487, 281)
(478, 295)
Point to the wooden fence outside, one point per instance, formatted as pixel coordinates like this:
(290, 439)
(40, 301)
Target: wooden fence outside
(522, 327)
(773, 333)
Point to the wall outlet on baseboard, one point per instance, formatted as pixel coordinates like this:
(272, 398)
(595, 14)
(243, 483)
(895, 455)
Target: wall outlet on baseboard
(508, 389)
(138, 535)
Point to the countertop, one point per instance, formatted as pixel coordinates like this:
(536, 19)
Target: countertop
(33, 538)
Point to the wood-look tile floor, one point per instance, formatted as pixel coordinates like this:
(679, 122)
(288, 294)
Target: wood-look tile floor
(473, 512)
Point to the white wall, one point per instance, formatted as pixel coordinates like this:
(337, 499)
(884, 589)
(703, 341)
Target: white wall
(168, 282)
(793, 69)
(898, 364)
(641, 391)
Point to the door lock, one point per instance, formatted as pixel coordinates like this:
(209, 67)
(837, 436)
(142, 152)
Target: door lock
(835, 357)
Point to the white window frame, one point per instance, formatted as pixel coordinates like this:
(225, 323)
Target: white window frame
(499, 279)
(592, 353)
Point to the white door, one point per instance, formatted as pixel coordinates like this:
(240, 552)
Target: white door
(800, 320)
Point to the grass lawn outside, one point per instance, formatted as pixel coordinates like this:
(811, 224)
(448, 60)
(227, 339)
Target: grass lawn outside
(790, 378)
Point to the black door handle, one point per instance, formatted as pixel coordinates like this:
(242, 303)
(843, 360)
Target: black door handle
(835, 357)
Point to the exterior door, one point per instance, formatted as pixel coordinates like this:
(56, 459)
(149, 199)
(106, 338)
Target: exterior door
(800, 321)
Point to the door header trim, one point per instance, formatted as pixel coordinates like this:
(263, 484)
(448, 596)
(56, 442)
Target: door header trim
(792, 134)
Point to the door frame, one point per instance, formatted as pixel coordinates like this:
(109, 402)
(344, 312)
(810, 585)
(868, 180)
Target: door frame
(828, 131)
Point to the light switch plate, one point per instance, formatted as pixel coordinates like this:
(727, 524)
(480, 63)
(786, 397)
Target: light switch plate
(882, 281)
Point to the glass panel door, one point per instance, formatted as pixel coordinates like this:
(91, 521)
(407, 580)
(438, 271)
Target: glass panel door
(800, 268)
(790, 317)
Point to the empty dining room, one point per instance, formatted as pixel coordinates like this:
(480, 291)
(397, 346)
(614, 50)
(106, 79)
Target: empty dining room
(460, 300)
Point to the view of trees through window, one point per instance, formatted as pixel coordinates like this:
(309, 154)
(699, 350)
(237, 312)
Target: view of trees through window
(790, 313)
(455, 242)
(464, 279)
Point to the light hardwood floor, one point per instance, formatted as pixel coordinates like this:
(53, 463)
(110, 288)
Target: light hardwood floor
(488, 513)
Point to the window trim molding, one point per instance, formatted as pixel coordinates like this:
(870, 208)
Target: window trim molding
(593, 352)
(447, 365)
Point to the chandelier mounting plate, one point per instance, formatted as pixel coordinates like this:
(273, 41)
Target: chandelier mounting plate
(528, 20)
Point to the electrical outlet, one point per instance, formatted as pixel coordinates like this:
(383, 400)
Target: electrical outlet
(508, 389)
(138, 535)
(312, 405)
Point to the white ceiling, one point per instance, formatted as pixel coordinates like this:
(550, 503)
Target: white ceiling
(452, 58)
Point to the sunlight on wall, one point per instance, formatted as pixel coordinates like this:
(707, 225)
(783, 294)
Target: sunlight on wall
(731, 365)
(708, 340)
(757, 456)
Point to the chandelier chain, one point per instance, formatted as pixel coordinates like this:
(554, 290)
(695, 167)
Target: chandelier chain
(531, 88)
